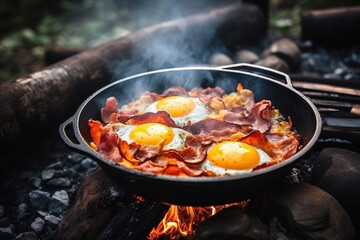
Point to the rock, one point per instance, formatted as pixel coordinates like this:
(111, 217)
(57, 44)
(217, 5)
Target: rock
(22, 211)
(26, 236)
(39, 199)
(47, 174)
(337, 171)
(231, 223)
(58, 202)
(6, 233)
(309, 212)
(56, 165)
(59, 182)
(87, 163)
(35, 181)
(274, 62)
(38, 225)
(52, 220)
(245, 56)
(287, 50)
(1, 211)
(220, 59)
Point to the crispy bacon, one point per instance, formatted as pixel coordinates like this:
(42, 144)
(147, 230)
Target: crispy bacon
(95, 131)
(111, 106)
(123, 115)
(149, 117)
(212, 130)
(258, 117)
(108, 145)
(205, 95)
(277, 145)
(174, 91)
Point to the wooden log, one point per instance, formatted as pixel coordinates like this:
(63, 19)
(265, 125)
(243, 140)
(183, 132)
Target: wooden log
(44, 99)
(332, 27)
(95, 205)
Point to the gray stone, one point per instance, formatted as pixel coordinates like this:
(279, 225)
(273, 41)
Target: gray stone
(220, 59)
(245, 56)
(58, 202)
(22, 211)
(52, 220)
(56, 165)
(274, 62)
(6, 232)
(1, 211)
(87, 163)
(59, 182)
(337, 171)
(286, 50)
(47, 174)
(309, 212)
(38, 225)
(231, 223)
(35, 181)
(26, 236)
(39, 199)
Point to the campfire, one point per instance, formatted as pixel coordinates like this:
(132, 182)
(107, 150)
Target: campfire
(180, 221)
(71, 197)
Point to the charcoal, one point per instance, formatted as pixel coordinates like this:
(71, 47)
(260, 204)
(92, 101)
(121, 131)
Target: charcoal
(337, 171)
(309, 212)
(246, 56)
(220, 59)
(231, 223)
(56, 165)
(38, 225)
(87, 163)
(26, 236)
(39, 199)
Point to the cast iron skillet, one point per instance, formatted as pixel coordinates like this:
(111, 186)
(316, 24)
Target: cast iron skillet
(198, 191)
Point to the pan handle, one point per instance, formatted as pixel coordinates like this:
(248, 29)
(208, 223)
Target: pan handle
(260, 70)
(66, 129)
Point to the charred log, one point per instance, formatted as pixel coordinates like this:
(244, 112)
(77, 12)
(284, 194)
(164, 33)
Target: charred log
(334, 27)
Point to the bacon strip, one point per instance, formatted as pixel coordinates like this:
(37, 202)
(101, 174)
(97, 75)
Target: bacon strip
(258, 117)
(95, 131)
(277, 145)
(205, 95)
(111, 106)
(149, 117)
(108, 145)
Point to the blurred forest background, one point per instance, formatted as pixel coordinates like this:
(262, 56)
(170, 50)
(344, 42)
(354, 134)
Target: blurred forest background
(28, 28)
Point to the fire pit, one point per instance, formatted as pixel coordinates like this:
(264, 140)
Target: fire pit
(60, 194)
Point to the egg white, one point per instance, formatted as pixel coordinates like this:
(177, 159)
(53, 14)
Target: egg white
(177, 143)
(199, 113)
(207, 165)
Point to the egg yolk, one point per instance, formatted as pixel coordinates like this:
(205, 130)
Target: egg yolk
(152, 134)
(176, 106)
(234, 155)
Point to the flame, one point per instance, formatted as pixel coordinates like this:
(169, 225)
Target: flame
(181, 221)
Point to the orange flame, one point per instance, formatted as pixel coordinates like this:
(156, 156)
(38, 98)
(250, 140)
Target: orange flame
(182, 221)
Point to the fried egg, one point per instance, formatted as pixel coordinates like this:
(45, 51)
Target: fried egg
(152, 134)
(234, 158)
(183, 110)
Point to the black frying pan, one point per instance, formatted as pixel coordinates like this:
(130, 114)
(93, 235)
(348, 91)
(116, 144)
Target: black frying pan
(200, 191)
